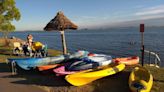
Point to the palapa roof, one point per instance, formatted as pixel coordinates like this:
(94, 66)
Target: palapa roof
(60, 23)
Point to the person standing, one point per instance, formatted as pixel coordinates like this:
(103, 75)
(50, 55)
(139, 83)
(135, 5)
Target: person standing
(29, 40)
(27, 47)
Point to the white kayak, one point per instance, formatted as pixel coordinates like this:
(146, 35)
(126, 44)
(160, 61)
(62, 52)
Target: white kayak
(102, 59)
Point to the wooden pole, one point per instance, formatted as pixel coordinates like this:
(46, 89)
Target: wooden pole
(63, 42)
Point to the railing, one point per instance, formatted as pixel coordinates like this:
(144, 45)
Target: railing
(156, 61)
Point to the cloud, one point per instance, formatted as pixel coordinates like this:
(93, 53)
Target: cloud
(151, 17)
(151, 11)
(88, 21)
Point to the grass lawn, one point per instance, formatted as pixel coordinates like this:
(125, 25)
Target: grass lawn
(6, 52)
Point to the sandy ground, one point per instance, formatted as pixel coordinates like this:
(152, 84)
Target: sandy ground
(8, 84)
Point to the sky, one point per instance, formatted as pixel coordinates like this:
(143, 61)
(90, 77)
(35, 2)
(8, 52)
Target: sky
(35, 14)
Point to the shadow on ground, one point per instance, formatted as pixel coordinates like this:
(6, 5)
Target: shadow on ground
(113, 83)
(34, 77)
(4, 67)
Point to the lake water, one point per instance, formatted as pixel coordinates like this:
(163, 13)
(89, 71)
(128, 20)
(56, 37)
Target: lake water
(118, 42)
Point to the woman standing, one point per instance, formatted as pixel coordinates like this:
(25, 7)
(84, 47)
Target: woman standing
(27, 47)
(29, 40)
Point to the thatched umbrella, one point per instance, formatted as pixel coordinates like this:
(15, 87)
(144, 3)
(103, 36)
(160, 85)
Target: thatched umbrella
(60, 23)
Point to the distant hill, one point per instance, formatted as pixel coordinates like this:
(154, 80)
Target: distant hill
(157, 22)
(149, 22)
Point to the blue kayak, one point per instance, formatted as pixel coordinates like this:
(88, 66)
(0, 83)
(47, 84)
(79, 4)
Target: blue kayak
(81, 65)
(89, 62)
(31, 63)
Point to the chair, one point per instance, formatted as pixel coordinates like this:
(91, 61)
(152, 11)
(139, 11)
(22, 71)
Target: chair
(17, 48)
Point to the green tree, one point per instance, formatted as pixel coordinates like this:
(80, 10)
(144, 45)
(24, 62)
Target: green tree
(8, 13)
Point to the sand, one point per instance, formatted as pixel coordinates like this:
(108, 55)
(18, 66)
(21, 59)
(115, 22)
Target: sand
(7, 82)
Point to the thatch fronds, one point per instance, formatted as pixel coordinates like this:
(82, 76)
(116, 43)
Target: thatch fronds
(60, 23)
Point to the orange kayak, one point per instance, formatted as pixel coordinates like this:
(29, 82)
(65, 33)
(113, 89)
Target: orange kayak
(127, 60)
(47, 67)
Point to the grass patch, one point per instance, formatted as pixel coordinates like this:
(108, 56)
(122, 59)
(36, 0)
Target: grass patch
(6, 52)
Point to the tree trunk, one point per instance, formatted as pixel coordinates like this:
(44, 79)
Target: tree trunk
(63, 42)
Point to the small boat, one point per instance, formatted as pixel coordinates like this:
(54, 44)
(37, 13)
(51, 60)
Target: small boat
(61, 71)
(72, 67)
(90, 75)
(31, 63)
(81, 65)
(47, 67)
(101, 59)
(140, 80)
(90, 62)
(127, 60)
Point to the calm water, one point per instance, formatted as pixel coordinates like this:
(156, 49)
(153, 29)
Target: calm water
(114, 42)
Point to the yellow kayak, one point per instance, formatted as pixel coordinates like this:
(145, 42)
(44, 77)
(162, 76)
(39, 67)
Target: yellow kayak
(140, 80)
(87, 76)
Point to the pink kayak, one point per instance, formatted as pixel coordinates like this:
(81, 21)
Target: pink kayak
(61, 71)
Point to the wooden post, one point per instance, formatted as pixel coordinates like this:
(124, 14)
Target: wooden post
(142, 43)
(63, 42)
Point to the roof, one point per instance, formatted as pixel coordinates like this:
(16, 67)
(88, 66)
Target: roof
(60, 22)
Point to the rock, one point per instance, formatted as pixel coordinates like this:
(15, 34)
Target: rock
(9, 41)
